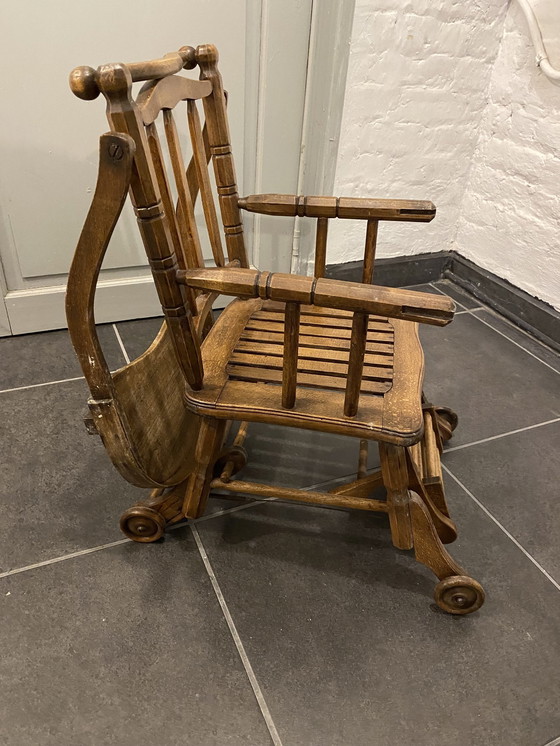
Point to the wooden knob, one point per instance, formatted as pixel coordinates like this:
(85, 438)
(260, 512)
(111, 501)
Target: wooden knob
(189, 56)
(207, 54)
(83, 83)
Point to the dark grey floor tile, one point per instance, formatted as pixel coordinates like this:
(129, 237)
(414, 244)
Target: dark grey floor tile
(516, 478)
(423, 288)
(126, 646)
(340, 632)
(462, 298)
(493, 385)
(291, 457)
(59, 492)
(138, 335)
(525, 340)
(219, 501)
(49, 356)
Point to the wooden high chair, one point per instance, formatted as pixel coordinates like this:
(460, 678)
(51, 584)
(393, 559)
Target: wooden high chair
(306, 352)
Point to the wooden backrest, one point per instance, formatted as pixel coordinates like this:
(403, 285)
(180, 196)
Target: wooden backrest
(168, 228)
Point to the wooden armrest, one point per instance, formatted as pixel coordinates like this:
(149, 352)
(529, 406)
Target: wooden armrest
(339, 207)
(349, 296)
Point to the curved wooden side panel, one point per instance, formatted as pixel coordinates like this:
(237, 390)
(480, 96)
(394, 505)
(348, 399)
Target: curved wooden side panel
(160, 430)
(116, 154)
(139, 412)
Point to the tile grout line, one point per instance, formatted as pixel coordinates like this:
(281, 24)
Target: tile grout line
(62, 558)
(519, 329)
(483, 321)
(121, 343)
(237, 640)
(503, 528)
(435, 287)
(68, 380)
(250, 504)
(222, 602)
(174, 527)
(37, 385)
(458, 313)
(99, 547)
(532, 354)
(501, 435)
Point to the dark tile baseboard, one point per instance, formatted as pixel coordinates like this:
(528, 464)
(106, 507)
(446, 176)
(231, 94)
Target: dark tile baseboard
(529, 313)
(398, 271)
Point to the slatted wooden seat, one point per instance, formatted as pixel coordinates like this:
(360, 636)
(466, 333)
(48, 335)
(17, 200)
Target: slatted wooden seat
(305, 352)
(250, 353)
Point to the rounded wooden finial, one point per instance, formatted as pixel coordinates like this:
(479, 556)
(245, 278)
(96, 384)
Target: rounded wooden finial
(114, 78)
(207, 54)
(189, 56)
(83, 83)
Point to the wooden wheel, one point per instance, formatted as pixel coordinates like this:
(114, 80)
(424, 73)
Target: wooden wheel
(447, 421)
(143, 524)
(459, 594)
(237, 455)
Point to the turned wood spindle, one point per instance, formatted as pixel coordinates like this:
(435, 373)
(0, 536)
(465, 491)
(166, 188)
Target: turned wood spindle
(369, 253)
(203, 179)
(359, 328)
(289, 369)
(184, 214)
(321, 247)
(355, 363)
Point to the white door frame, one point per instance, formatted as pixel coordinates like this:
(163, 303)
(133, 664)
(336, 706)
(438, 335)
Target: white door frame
(36, 309)
(5, 329)
(322, 99)
(329, 50)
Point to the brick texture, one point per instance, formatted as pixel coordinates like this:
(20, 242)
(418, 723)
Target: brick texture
(509, 219)
(417, 87)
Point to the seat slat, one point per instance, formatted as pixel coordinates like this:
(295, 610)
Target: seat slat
(339, 313)
(316, 331)
(320, 367)
(382, 347)
(320, 320)
(274, 375)
(310, 353)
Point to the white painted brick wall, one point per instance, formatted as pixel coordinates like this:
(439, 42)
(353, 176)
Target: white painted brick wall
(510, 217)
(417, 86)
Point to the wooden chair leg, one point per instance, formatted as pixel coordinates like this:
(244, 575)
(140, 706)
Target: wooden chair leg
(208, 448)
(456, 593)
(147, 520)
(445, 527)
(395, 478)
(412, 527)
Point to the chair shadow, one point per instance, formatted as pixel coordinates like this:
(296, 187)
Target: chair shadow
(346, 543)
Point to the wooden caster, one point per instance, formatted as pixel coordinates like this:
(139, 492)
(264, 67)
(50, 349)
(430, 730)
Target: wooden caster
(143, 524)
(447, 421)
(232, 460)
(459, 594)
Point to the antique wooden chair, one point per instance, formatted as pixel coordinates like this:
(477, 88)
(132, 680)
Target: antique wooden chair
(306, 352)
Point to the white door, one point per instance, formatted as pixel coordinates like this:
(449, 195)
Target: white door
(50, 138)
